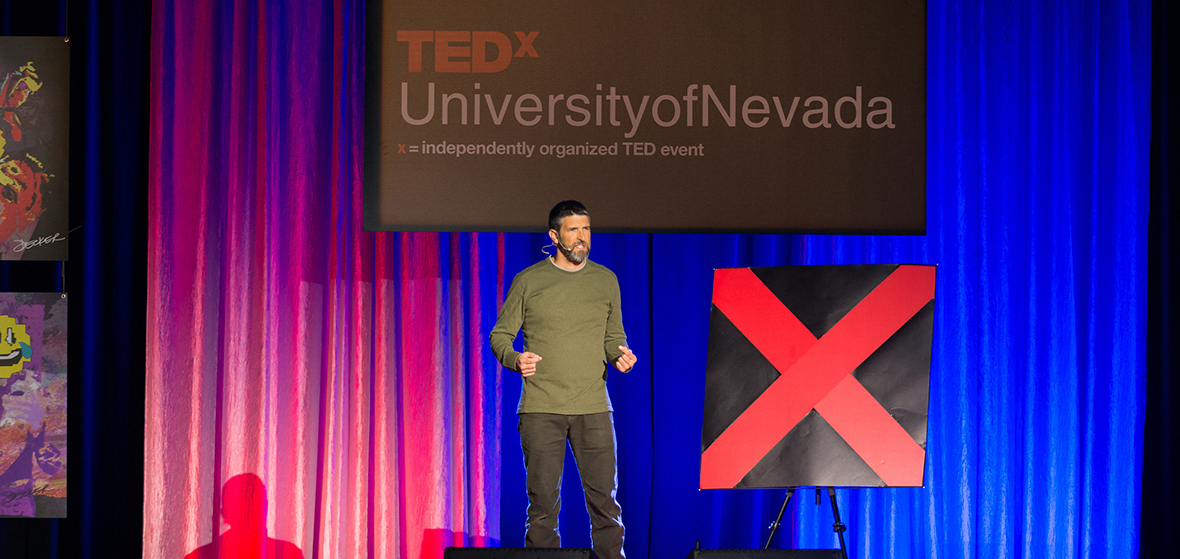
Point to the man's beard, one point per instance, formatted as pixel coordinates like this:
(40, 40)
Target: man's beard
(576, 256)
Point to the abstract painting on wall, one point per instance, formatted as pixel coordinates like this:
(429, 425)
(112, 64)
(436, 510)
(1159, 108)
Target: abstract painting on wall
(34, 148)
(33, 405)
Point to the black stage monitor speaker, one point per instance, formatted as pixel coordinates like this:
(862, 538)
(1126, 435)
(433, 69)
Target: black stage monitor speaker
(764, 554)
(517, 553)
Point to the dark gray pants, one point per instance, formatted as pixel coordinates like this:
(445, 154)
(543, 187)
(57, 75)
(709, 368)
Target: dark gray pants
(543, 438)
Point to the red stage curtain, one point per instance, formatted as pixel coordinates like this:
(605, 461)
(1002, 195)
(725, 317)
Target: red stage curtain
(338, 366)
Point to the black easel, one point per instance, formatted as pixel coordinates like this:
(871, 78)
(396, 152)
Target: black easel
(837, 527)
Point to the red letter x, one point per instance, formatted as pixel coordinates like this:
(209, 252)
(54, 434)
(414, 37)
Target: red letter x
(526, 44)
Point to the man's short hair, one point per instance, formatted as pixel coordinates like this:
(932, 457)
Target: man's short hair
(563, 209)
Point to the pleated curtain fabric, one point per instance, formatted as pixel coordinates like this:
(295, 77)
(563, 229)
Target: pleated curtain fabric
(349, 370)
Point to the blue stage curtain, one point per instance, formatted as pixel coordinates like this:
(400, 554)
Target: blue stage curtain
(1037, 213)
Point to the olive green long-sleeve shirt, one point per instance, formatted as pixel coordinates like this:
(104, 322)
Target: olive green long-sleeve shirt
(573, 321)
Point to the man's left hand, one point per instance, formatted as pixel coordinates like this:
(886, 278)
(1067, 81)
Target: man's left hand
(626, 361)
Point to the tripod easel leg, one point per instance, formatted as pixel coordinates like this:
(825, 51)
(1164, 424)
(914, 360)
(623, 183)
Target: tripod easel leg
(778, 520)
(838, 526)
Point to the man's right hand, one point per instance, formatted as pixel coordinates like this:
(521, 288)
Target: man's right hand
(526, 363)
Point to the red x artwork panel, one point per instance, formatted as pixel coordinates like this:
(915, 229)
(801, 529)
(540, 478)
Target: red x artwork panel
(818, 375)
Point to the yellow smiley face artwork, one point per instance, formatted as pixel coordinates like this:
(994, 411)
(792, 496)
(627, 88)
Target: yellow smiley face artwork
(14, 346)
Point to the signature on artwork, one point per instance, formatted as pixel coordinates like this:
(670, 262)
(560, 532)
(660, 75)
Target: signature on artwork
(42, 490)
(39, 241)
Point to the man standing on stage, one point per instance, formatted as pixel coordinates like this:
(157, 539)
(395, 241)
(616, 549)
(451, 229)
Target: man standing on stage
(568, 309)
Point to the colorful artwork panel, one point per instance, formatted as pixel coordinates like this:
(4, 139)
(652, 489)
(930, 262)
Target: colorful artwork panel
(33, 405)
(34, 148)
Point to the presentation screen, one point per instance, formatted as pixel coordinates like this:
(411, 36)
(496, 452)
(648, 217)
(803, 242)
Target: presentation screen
(664, 116)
